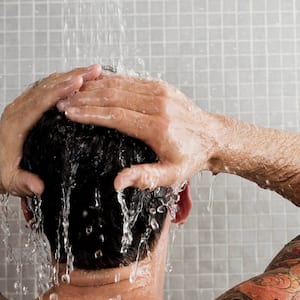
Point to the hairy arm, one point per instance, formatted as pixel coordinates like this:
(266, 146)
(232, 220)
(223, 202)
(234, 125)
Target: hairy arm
(269, 157)
(186, 138)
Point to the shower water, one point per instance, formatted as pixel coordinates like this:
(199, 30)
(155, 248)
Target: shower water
(100, 25)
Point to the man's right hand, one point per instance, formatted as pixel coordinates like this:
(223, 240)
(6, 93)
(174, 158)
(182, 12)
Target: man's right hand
(178, 131)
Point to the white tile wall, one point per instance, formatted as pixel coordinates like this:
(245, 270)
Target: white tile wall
(237, 57)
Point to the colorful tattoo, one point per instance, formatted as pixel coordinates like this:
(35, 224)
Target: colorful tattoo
(233, 295)
(280, 281)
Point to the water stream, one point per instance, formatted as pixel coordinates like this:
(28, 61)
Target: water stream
(93, 32)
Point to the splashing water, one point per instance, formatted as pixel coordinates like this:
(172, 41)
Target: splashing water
(210, 196)
(67, 187)
(127, 234)
(172, 236)
(94, 31)
(117, 277)
(98, 254)
(53, 296)
(4, 219)
(142, 245)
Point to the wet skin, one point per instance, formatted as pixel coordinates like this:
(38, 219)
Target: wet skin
(20, 116)
(186, 139)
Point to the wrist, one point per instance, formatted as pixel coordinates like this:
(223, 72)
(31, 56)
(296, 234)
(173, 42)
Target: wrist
(228, 135)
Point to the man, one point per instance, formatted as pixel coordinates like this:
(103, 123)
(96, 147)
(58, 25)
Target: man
(186, 140)
(103, 244)
(20, 116)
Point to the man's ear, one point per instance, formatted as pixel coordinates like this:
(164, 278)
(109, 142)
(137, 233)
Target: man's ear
(184, 205)
(26, 210)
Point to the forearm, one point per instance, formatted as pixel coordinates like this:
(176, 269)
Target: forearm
(269, 157)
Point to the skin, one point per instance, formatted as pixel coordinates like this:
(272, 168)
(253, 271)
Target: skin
(20, 116)
(186, 138)
(153, 112)
(101, 285)
(281, 280)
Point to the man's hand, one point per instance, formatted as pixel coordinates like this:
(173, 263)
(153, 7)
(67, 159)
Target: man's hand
(154, 112)
(20, 116)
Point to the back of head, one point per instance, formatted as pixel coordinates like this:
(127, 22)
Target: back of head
(78, 164)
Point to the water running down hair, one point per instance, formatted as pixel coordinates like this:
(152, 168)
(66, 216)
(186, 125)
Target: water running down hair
(78, 164)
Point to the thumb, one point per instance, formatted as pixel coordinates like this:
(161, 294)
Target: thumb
(146, 176)
(26, 183)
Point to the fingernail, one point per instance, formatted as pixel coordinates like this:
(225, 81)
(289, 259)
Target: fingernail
(61, 105)
(72, 110)
(92, 66)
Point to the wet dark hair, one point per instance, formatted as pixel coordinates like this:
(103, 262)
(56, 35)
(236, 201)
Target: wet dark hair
(81, 162)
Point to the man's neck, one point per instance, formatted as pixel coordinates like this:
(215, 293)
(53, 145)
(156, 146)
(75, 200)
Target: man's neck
(142, 282)
(134, 282)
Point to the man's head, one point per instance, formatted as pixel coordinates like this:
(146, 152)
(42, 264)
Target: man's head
(78, 164)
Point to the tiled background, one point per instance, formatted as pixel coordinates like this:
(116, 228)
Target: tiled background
(239, 57)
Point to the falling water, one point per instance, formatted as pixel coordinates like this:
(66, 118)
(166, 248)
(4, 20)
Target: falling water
(142, 245)
(210, 195)
(127, 234)
(94, 31)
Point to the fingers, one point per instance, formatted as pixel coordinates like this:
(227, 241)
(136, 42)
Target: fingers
(42, 96)
(65, 85)
(129, 84)
(112, 97)
(62, 85)
(146, 176)
(126, 121)
(26, 183)
(49, 99)
(89, 73)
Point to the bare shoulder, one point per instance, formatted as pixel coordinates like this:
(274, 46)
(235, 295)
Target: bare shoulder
(234, 295)
(281, 279)
(281, 283)
(2, 297)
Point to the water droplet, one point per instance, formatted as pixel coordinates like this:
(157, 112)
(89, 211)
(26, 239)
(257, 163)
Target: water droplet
(101, 238)
(169, 268)
(17, 285)
(65, 278)
(132, 276)
(19, 268)
(98, 254)
(161, 209)
(117, 277)
(127, 234)
(152, 211)
(210, 196)
(25, 290)
(84, 213)
(89, 229)
(154, 225)
(53, 296)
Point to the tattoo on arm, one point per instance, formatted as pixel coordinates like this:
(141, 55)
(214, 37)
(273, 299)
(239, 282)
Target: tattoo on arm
(233, 295)
(287, 257)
